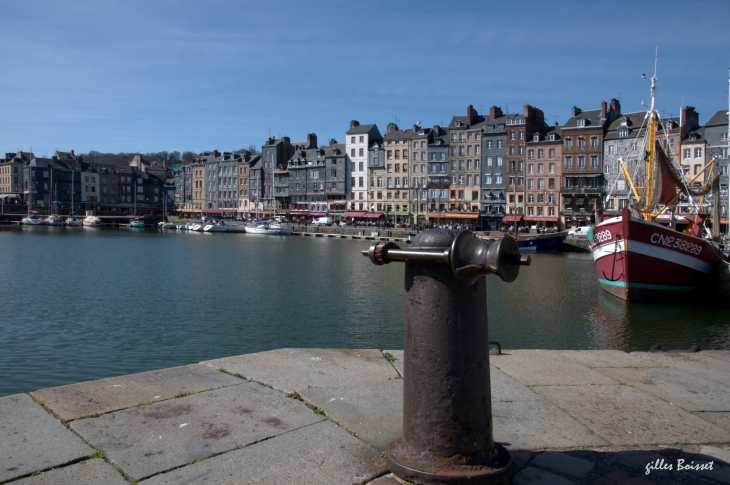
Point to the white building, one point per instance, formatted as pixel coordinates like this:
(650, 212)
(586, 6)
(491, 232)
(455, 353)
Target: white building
(358, 140)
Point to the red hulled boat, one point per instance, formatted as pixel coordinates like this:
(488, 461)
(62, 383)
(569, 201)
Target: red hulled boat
(639, 259)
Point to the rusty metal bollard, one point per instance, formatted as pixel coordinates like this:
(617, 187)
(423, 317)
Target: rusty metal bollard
(447, 406)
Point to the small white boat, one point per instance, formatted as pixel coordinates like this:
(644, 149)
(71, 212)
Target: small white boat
(271, 229)
(53, 220)
(92, 221)
(216, 227)
(167, 225)
(72, 221)
(32, 220)
(198, 226)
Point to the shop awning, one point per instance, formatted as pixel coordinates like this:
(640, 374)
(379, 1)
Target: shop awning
(512, 218)
(372, 215)
(542, 219)
(187, 211)
(354, 214)
(299, 213)
(318, 214)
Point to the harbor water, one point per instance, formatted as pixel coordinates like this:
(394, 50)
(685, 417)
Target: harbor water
(81, 304)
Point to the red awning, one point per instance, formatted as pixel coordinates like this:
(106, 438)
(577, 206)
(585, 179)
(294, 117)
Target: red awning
(354, 214)
(372, 215)
(512, 218)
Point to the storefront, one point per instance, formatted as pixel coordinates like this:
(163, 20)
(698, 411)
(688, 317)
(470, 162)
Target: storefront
(511, 221)
(453, 219)
(540, 222)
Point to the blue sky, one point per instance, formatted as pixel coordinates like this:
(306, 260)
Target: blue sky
(191, 75)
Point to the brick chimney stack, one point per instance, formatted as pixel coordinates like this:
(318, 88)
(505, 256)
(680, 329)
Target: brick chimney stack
(471, 115)
(615, 106)
(575, 111)
(333, 142)
(311, 140)
(495, 112)
(604, 109)
(354, 123)
(391, 128)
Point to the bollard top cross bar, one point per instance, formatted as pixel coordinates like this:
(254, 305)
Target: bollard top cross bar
(469, 256)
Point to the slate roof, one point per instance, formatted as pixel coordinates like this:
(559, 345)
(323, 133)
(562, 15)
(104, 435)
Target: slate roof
(464, 124)
(633, 121)
(720, 118)
(406, 134)
(372, 130)
(593, 120)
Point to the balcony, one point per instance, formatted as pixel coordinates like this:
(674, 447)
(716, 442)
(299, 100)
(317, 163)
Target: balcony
(581, 190)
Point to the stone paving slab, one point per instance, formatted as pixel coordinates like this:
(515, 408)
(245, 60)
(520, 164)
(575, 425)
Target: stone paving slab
(536, 425)
(703, 366)
(723, 355)
(150, 439)
(606, 358)
(90, 472)
(397, 359)
(321, 454)
(31, 439)
(290, 370)
(546, 368)
(625, 416)
(388, 479)
(720, 419)
(675, 386)
(373, 411)
(115, 393)
(506, 388)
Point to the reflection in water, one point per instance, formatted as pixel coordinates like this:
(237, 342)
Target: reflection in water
(86, 304)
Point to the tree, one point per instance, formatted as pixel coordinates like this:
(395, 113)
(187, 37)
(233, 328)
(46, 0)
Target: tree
(188, 156)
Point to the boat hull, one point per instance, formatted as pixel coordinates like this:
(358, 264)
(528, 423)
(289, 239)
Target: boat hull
(638, 260)
(543, 242)
(281, 231)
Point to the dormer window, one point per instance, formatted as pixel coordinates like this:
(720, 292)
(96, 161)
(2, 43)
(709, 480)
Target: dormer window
(581, 123)
(694, 137)
(458, 123)
(624, 122)
(421, 132)
(623, 132)
(552, 137)
(536, 137)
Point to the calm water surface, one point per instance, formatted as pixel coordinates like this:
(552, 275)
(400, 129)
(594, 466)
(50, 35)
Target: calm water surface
(82, 304)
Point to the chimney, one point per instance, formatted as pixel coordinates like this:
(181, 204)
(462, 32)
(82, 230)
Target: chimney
(311, 140)
(575, 111)
(354, 123)
(526, 110)
(604, 109)
(416, 127)
(495, 112)
(391, 128)
(615, 106)
(471, 115)
(333, 142)
(72, 153)
(216, 153)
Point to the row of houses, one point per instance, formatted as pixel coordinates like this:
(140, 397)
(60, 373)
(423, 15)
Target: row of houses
(488, 170)
(66, 183)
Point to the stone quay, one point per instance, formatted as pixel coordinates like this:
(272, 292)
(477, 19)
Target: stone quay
(325, 416)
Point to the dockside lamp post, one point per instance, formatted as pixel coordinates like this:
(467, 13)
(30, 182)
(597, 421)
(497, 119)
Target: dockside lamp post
(447, 407)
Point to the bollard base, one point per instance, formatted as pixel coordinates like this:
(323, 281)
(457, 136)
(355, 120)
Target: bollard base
(424, 468)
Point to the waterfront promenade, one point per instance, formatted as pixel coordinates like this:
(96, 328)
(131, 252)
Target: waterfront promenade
(325, 416)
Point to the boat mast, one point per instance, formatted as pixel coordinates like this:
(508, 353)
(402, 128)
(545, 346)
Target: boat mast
(727, 156)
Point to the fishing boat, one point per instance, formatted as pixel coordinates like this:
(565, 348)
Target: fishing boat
(637, 257)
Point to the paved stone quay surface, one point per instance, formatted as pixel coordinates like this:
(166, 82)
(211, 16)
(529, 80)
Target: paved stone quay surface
(325, 416)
